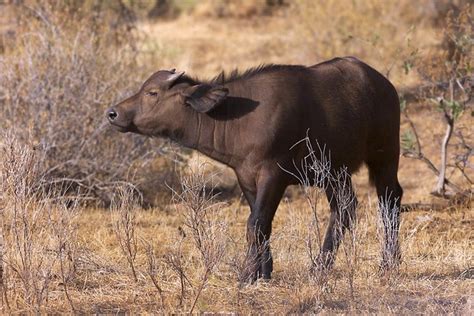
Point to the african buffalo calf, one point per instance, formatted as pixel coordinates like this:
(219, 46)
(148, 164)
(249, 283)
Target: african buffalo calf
(251, 122)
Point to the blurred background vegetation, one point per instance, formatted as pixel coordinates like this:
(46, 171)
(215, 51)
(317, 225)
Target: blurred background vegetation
(62, 63)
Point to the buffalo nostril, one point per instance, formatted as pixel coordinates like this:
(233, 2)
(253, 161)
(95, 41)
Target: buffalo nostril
(112, 115)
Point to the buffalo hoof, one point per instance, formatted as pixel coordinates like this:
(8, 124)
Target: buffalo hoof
(324, 262)
(387, 266)
(257, 267)
(388, 269)
(319, 273)
(321, 267)
(390, 261)
(251, 276)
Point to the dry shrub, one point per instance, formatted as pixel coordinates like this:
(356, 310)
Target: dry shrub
(208, 232)
(124, 209)
(236, 8)
(54, 89)
(192, 256)
(38, 236)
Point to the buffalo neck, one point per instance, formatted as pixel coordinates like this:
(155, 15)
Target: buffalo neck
(209, 137)
(204, 133)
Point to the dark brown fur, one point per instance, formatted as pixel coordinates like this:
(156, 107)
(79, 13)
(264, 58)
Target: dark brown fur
(250, 121)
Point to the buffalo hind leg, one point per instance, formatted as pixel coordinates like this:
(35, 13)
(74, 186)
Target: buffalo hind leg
(389, 194)
(269, 191)
(343, 204)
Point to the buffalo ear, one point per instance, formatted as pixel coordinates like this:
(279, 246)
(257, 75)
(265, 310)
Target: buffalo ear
(205, 97)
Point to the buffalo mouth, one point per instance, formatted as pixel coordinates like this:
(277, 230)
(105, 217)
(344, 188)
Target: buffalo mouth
(123, 128)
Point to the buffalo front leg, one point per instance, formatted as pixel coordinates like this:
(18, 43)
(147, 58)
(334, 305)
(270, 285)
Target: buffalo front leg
(343, 204)
(263, 201)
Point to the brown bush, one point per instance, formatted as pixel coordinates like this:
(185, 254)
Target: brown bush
(38, 233)
(54, 88)
(236, 8)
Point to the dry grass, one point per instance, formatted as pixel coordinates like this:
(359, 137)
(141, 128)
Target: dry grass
(435, 277)
(59, 256)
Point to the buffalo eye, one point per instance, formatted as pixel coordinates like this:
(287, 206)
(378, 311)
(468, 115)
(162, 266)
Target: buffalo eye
(152, 93)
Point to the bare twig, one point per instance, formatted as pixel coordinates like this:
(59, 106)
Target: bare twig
(174, 260)
(440, 189)
(152, 269)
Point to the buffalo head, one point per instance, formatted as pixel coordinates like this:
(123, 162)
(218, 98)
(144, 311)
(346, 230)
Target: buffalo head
(163, 103)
